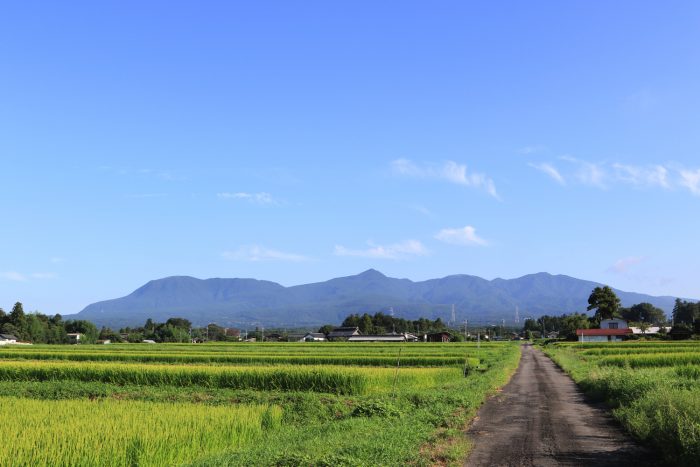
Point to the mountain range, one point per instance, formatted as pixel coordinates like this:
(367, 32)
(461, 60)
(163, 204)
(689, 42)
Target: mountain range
(251, 302)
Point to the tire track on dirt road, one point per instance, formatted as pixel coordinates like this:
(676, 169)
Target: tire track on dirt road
(541, 418)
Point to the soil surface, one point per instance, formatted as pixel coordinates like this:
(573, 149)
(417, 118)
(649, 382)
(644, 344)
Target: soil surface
(541, 418)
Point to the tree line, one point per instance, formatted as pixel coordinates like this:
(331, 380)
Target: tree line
(381, 323)
(607, 305)
(43, 329)
(39, 328)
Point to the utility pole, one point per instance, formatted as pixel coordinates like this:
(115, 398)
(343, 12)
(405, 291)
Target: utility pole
(466, 325)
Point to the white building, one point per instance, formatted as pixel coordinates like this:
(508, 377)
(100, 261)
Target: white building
(7, 339)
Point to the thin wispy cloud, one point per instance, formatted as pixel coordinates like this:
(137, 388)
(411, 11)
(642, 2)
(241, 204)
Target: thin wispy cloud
(465, 236)
(147, 195)
(257, 198)
(13, 276)
(164, 175)
(532, 149)
(449, 171)
(258, 253)
(57, 259)
(605, 175)
(636, 175)
(395, 251)
(43, 275)
(422, 209)
(588, 173)
(549, 170)
(21, 277)
(623, 265)
(690, 179)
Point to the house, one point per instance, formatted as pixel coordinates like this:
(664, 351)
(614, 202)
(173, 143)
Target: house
(343, 333)
(7, 339)
(74, 337)
(442, 336)
(314, 337)
(613, 324)
(148, 341)
(611, 330)
(273, 337)
(651, 330)
(232, 333)
(384, 338)
(553, 335)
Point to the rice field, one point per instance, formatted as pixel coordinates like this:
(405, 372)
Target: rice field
(120, 433)
(654, 387)
(241, 404)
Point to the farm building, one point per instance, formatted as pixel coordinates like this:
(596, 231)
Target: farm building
(651, 330)
(314, 337)
(443, 336)
(7, 339)
(384, 338)
(611, 330)
(343, 333)
(74, 337)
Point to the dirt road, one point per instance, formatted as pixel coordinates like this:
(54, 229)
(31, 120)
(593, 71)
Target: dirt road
(542, 419)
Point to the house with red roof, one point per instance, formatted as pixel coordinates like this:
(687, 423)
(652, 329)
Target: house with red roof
(611, 330)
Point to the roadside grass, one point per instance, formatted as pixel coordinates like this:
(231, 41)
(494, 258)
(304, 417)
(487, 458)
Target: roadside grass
(655, 396)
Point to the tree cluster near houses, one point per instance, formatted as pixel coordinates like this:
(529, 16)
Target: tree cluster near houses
(642, 316)
(381, 323)
(42, 329)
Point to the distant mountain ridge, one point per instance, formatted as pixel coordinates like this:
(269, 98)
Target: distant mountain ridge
(250, 302)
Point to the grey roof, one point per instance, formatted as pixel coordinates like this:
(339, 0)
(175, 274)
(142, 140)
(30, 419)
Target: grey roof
(387, 338)
(8, 337)
(344, 332)
(317, 335)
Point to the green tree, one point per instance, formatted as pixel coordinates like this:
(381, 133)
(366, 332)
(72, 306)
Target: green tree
(570, 323)
(19, 320)
(86, 328)
(326, 329)
(685, 312)
(644, 312)
(605, 302)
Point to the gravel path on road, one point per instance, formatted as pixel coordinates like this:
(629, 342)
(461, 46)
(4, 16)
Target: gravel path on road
(541, 418)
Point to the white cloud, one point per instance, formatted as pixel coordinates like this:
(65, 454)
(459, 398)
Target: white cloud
(588, 173)
(656, 175)
(532, 149)
(21, 277)
(690, 179)
(422, 209)
(257, 253)
(13, 276)
(461, 236)
(259, 198)
(623, 265)
(43, 275)
(394, 251)
(549, 170)
(450, 171)
(603, 175)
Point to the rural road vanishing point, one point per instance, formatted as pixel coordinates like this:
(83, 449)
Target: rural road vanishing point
(541, 418)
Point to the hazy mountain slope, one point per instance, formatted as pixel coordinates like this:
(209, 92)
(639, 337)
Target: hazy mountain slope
(247, 302)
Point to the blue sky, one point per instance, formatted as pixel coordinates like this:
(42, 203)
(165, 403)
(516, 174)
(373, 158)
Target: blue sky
(300, 141)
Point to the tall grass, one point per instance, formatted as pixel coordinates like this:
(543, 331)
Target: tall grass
(123, 433)
(281, 378)
(656, 394)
